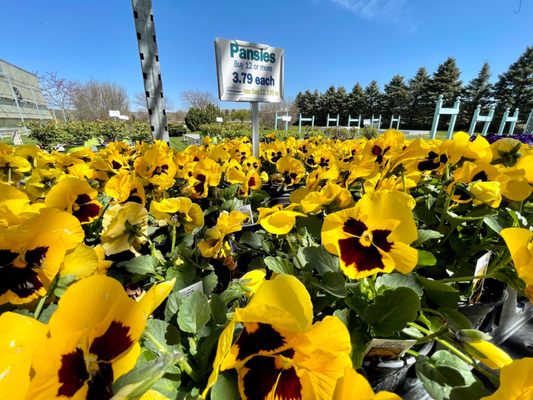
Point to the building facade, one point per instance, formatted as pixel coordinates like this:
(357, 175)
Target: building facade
(21, 98)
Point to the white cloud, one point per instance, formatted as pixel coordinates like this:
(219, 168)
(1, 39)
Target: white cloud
(391, 11)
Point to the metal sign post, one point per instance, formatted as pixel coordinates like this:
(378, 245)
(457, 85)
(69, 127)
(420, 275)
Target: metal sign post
(255, 128)
(151, 70)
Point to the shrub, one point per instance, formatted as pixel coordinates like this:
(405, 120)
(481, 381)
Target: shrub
(369, 132)
(51, 134)
(199, 116)
(177, 129)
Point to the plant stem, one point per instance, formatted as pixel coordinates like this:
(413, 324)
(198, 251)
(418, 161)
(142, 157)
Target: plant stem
(39, 307)
(465, 278)
(173, 239)
(182, 361)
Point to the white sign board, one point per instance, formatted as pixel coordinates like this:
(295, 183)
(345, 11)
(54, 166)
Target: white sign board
(114, 113)
(286, 118)
(220, 119)
(124, 117)
(249, 71)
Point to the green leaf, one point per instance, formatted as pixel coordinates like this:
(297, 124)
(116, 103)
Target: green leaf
(392, 310)
(313, 225)
(226, 388)
(209, 283)
(279, 265)
(426, 258)
(332, 283)
(252, 239)
(493, 223)
(194, 313)
(141, 265)
(440, 293)
(395, 280)
(172, 305)
(427, 234)
(320, 260)
(218, 309)
(356, 303)
(138, 381)
(456, 319)
(47, 313)
(161, 337)
(445, 376)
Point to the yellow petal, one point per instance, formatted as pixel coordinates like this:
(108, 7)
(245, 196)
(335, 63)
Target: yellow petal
(127, 362)
(489, 354)
(154, 394)
(156, 295)
(253, 279)
(516, 381)
(224, 344)
(80, 262)
(19, 337)
(282, 302)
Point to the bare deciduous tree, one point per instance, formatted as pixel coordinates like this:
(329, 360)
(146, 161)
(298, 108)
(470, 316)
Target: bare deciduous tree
(93, 100)
(58, 92)
(197, 99)
(267, 112)
(139, 101)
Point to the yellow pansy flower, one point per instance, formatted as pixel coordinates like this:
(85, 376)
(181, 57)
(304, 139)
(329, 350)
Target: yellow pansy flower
(280, 353)
(373, 236)
(125, 227)
(75, 196)
(278, 220)
(31, 254)
(516, 381)
(92, 340)
(178, 211)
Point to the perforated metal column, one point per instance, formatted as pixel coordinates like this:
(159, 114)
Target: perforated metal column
(151, 70)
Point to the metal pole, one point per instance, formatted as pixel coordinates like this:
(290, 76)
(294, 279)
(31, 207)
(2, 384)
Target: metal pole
(255, 128)
(151, 70)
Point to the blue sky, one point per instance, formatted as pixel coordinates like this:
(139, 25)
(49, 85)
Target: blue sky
(326, 42)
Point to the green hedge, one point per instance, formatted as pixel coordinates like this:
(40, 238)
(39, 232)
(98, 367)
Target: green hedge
(51, 134)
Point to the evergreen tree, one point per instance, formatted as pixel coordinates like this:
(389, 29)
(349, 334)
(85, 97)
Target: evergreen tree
(373, 100)
(477, 92)
(514, 88)
(356, 101)
(420, 105)
(446, 81)
(327, 104)
(340, 104)
(396, 97)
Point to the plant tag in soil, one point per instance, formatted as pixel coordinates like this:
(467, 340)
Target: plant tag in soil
(387, 349)
(482, 265)
(195, 287)
(247, 209)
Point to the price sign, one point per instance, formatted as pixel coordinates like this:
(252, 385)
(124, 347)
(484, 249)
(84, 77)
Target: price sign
(249, 71)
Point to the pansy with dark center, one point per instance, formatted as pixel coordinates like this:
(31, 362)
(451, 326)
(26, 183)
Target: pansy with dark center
(94, 369)
(92, 339)
(31, 254)
(84, 209)
(374, 235)
(280, 354)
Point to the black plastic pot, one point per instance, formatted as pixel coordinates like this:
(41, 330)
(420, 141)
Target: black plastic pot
(390, 375)
(482, 312)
